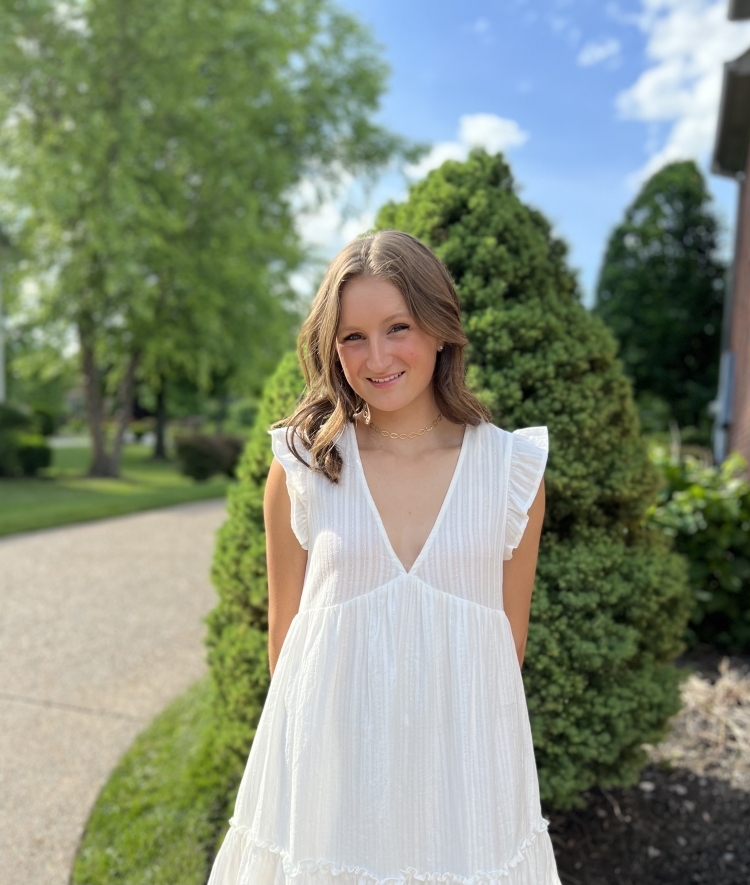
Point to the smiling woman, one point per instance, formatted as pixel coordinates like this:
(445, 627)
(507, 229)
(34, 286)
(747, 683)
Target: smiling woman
(402, 531)
(386, 307)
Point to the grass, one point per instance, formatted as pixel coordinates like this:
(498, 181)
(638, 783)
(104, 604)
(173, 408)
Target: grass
(163, 812)
(62, 494)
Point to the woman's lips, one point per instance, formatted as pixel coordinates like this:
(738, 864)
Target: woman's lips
(391, 380)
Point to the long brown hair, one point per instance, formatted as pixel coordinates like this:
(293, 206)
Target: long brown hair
(329, 402)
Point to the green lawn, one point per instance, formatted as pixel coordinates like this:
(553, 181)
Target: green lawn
(62, 494)
(162, 814)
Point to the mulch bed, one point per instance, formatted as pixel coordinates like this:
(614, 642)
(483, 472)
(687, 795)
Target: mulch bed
(688, 819)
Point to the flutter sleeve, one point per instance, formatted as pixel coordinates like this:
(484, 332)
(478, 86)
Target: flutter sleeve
(297, 475)
(528, 459)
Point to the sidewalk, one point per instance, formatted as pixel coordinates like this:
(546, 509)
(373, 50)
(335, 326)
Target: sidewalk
(100, 627)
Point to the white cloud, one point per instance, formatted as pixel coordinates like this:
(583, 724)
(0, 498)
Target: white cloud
(489, 131)
(687, 43)
(598, 51)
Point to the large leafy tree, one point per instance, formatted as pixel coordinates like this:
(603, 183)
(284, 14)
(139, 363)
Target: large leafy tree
(661, 291)
(151, 153)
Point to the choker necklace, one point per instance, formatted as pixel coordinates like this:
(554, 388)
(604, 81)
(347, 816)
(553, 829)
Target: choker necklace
(413, 435)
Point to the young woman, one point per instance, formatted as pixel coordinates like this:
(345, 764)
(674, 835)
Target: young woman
(402, 530)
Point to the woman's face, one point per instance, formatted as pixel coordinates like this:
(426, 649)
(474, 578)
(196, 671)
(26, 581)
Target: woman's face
(387, 359)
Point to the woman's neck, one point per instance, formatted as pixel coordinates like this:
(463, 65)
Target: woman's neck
(418, 414)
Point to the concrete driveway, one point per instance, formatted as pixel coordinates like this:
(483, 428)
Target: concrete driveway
(100, 628)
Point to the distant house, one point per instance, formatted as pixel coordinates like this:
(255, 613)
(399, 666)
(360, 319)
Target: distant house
(731, 157)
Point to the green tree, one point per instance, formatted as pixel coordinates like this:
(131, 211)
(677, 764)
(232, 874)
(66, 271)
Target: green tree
(155, 149)
(661, 291)
(611, 601)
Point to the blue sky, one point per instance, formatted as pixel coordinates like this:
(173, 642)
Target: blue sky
(585, 98)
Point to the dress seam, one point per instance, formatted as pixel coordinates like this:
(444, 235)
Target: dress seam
(471, 602)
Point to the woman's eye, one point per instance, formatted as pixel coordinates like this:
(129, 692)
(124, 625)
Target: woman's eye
(397, 327)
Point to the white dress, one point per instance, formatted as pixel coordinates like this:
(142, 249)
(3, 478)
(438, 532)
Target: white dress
(394, 746)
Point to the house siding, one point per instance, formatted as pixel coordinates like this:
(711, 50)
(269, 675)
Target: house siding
(739, 433)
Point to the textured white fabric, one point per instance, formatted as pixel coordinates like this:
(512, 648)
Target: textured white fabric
(527, 462)
(394, 747)
(296, 480)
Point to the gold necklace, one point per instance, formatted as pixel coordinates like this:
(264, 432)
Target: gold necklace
(413, 435)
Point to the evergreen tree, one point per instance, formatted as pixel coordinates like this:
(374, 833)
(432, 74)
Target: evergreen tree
(661, 291)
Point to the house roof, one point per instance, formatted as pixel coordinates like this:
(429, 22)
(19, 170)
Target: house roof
(739, 9)
(733, 131)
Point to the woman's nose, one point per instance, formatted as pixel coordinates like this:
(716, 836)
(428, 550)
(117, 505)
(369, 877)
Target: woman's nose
(378, 357)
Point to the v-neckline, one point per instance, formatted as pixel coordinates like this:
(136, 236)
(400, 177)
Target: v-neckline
(376, 513)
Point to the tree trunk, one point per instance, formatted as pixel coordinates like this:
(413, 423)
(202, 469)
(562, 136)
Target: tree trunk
(160, 445)
(125, 409)
(101, 462)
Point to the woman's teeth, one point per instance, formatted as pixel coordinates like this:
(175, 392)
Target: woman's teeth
(384, 380)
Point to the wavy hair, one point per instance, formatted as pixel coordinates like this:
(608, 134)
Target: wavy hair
(329, 402)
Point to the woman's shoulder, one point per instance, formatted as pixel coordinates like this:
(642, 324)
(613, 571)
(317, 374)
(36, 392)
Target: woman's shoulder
(536, 436)
(282, 440)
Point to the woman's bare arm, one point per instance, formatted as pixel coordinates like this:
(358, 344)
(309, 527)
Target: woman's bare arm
(286, 560)
(518, 575)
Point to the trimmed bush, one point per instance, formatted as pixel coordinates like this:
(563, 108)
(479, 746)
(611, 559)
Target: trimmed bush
(706, 509)
(202, 456)
(10, 465)
(34, 454)
(611, 600)
(13, 420)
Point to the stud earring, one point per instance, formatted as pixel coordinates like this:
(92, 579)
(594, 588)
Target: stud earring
(441, 347)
